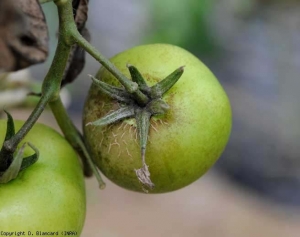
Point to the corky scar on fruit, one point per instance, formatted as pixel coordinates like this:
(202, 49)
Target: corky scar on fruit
(140, 104)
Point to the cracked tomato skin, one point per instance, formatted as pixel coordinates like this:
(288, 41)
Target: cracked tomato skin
(183, 144)
(48, 196)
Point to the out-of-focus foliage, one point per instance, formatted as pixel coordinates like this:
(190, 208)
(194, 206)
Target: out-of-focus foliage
(183, 23)
(260, 69)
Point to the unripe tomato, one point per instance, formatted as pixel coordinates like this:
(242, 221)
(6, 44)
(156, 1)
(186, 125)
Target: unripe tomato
(48, 196)
(183, 143)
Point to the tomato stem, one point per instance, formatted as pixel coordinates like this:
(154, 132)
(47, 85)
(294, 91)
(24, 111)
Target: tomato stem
(81, 41)
(10, 145)
(74, 137)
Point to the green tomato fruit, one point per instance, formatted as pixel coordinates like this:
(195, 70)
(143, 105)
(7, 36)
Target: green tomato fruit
(49, 196)
(183, 143)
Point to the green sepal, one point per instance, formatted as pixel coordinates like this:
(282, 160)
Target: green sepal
(5, 156)
(30, 160)
(122, 113)
(137, 77)
(18, 164)
(143, 124)
(112, 91)
(14, 168)
(10, 130)
(166, 84)
(158, 106)
(14, 164)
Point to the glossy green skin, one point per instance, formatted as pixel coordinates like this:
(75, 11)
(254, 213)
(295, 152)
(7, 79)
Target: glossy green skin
(183, 144)
(50, 194)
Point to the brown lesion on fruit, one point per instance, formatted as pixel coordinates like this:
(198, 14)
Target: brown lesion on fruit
(143, 175)
(141, 104)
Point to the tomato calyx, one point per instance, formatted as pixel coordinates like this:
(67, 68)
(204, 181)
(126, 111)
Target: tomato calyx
(10, 165)
(141, 104)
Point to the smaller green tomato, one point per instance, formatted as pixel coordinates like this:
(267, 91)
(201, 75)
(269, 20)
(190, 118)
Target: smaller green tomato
(48, 196)
(183, 143)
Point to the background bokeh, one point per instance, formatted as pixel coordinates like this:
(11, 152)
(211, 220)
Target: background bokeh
(253, 47)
